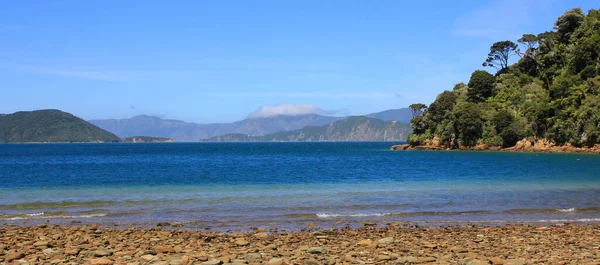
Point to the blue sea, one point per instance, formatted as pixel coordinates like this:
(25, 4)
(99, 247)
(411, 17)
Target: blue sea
(235, 186)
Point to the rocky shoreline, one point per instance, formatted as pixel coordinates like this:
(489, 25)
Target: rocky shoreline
(540, 146)
(368, 244)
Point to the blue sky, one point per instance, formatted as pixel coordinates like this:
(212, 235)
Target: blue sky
(220, 61)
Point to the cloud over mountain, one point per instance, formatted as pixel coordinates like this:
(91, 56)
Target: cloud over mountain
(286, 110)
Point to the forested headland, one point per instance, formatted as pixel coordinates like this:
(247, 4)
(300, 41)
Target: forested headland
(550, 96)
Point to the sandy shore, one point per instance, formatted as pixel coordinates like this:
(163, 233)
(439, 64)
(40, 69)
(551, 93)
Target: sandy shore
(369, 244)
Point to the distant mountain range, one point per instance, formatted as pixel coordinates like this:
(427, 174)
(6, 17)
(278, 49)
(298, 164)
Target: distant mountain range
(49, 126)
(358, 128)
(191, 132)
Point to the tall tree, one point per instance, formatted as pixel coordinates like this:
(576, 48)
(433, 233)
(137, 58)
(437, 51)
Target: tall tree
(529, 40)
(499, 54)
(568, 23)
(417, 109)
(529, 63)
(481, 86)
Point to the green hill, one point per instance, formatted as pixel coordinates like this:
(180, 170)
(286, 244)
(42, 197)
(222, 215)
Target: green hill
(49, 126)
(358, 128)
(550, 95)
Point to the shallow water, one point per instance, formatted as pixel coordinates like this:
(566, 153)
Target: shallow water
(288, 185)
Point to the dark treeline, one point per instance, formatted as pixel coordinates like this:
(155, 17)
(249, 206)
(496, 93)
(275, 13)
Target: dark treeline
(551, 93)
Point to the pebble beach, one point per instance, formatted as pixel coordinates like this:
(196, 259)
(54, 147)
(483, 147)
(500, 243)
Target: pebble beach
(368, 244)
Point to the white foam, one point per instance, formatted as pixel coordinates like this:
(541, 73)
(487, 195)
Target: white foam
(330, 215)
(567, 210)
(572, 220)
(35, 214)
(42, 216)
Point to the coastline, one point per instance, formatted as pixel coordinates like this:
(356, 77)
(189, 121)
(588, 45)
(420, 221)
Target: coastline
(525, 146)
(368, 244)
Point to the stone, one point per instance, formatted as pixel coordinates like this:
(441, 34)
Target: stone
(261, 235)
(369, 223)
(13, 255)
(148, 257)
(253, 258)
(185, 260)
(72, 251)
(101, 261)
(425, 260)
(212, 262)
(310, 262)
(42, 244)
(365, 242)
(48, 251)
(241, 242)
(386, 240)
(384, 258)
(316, 250)
(224, 259)
(496, 261)
(164, 249)
(459, 250)
(102, 252)
(275, 261)
(22, 262)
(160, 263)
(478, 262)
(515, 262)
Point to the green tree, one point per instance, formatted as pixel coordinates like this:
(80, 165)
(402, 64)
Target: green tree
(530, 41)
(443, 104)
(417, 109)
(481, 86)
(499, 54)
(566, 24)
(469, 123)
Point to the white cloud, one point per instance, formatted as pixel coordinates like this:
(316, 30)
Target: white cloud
(286, 110)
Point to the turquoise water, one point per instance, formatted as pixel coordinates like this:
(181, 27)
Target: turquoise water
(288, 185)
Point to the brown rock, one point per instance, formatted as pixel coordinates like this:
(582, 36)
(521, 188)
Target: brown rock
(261, 235)
(224, 259)
(13, 255)
(148, 257)
(365, 242)
(478, 262)
(101, 261)
(185, 260)
(515, 262)
(241, 242)
(496, 261)
(164, 249)
(275, 261)
(72, 251)
(425, 260)
(385, 241)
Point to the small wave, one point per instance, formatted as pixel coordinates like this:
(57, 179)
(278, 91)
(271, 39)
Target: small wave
(568, 210)
(34, 214)
(328, 215)
(438, 213)
(30, 216)
(571, 220)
